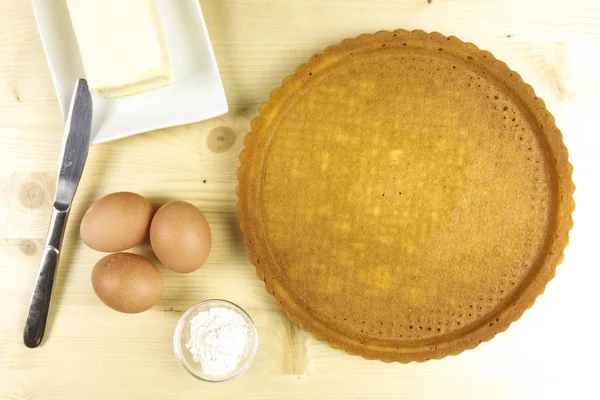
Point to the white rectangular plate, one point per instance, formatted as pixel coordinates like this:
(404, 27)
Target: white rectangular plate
(197, 93)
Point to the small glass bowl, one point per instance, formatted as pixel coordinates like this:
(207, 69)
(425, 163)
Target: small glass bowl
(186, 359)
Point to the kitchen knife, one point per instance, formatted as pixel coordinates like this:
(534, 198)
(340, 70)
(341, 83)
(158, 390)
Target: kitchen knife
(76, 144)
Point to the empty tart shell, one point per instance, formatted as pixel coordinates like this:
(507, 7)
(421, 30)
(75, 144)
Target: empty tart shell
(405, 196)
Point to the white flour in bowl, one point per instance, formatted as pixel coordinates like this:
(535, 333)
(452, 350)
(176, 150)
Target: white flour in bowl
(218, 340)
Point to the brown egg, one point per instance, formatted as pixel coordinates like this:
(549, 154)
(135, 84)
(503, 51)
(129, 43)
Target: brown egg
(180, 236)
(116, 222)
(127, 282)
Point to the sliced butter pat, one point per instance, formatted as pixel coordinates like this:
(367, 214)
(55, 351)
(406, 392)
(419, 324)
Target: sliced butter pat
(122, 45)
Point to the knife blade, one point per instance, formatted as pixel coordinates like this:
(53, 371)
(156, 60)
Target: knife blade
(76, 144)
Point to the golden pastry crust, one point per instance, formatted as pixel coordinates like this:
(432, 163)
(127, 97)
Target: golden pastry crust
(405, 196)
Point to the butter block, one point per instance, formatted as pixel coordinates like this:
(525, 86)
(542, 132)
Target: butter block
(122, 46)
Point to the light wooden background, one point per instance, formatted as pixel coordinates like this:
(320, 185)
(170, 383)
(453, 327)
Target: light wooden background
(92, 352)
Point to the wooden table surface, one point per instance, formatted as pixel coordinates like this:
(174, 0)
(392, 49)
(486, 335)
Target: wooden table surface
(92, 352)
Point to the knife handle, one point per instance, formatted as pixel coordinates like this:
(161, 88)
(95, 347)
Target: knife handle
(42, 292)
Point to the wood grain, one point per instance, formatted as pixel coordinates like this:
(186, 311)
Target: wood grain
(92, 352)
